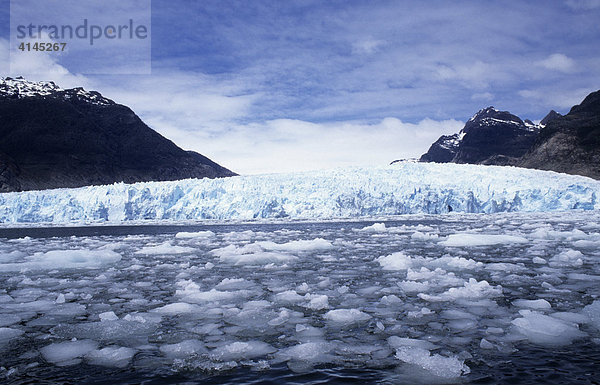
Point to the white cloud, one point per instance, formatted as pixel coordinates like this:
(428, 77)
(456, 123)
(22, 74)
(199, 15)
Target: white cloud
(283, 145)
(557, 62)
(583, 4)
(477, 74)
(367, 46)
(483, 96)
(191, 101)
(38, 66)
(555, 98)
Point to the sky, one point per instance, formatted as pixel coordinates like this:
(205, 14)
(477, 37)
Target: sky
(278, 86)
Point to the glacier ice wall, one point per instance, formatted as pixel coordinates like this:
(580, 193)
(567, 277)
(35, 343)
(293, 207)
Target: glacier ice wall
(402, 188)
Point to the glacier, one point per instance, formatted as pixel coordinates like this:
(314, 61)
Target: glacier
(401, 188)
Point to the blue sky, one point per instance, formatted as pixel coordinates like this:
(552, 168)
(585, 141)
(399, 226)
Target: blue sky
(269, 86)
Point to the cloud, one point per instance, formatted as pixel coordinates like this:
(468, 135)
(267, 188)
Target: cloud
(367, 46)
(284, 145)
(560, 99)
(483, 96)
(189, 100)
(37, 66)
(476, 75)
(583, 4)
(558, 62)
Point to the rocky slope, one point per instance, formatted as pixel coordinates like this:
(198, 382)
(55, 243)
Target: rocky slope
(489, 137)
(570, 143)
(52, 137)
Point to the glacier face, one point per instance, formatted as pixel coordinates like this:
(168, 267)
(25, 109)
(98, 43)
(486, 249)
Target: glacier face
(402, 188)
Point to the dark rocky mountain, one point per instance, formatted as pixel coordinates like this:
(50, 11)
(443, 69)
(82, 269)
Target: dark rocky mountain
(51, 138)
(550, 117)
(570, 143)
(490, 136)
(442, 150)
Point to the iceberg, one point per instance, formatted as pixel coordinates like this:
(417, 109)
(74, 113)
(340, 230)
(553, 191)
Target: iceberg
(401, 188)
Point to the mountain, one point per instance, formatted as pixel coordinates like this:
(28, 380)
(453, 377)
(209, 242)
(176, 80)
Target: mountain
(570, 143)
(52, 137)
(443, 150)
(490, 136)
(550, 117)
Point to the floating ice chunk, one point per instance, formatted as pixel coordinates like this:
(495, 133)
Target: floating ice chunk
(538, 304)
(567, 258)
(183, 349)
(310, 352)
(60, 298)
(398, 342)
(197, 234)
(548, 233)
(389, 300)
(395, 261)
(65, 259)
(456, 314)
(234, 284)
(545, 330)
(419, 313)
(485, 344)
(461, 324)
(178, 308)
(239, 235)
(111, 356)
(165, 248)
(453, 263)
(64, 352)
(7, 334)
(317, 301)
(413, 286)
(470, 239)
(471, 290)
(282, 318)
(108, 316)
(439, 366)
(346, 316)
(539, 261)
(505, 267)
(374, 228)
(238, 350)
(9, 319)
(576, 318)
(288, 296)
(494, 330)
(585, 244)
(190, 292)
(300, 245)
(252, 254)
(593, 312)
(419, 236)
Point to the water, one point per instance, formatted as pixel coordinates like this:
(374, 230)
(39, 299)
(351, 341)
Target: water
(407, 300)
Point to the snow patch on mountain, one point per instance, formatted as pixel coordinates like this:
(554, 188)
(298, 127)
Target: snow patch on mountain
(21, 88)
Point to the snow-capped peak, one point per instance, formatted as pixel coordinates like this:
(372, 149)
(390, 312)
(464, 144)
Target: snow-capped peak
(21, 88)
(483, 111)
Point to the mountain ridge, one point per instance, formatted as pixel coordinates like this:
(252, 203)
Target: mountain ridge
(53, 138)
(564, 143)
